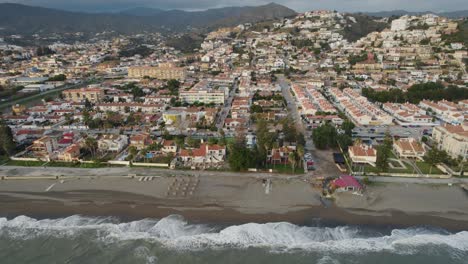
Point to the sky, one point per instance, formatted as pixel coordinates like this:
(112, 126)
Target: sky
(298, 5)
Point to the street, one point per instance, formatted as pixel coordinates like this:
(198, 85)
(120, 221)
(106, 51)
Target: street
(323, 159)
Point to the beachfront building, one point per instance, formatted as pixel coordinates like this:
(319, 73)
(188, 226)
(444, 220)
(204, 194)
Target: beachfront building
(280, 155)
(346, 183)
(363, 154)
(205, 155)
(169, 146)
(112, 143)
(140, 141)
(453, 139)
(93, 95)
(44, 147)
(165, 71)
(70, 153)
(409, 148)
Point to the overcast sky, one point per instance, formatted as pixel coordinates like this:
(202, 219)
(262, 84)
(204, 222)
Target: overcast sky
(298, 5)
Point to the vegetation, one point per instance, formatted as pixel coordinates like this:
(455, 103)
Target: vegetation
(353, 59)
(44, 51)
(132, 51)
(326, 136)
(240, 157)
(58, 78)
(384, 152)
(435, 156)
(417, 93)
(461, 36)
(363, 26)
(186, 43)
(7, 145)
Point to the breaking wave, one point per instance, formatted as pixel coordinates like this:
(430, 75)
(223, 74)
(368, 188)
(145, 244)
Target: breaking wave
(174, 232)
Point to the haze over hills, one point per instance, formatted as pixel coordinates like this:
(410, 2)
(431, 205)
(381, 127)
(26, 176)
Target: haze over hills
(22, 19)
(453, 14)
(142, 11)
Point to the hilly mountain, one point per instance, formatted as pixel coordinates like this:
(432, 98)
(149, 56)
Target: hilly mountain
(22, 19)
(454, 14)
(142, 11)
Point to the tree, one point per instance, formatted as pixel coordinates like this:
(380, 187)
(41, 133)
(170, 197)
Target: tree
(325, 136)
(7, 143)
(240, 157)
(91, 145)
(173, 86)
(292, 158)
(348, 127)
(58, 78)
(193, 143)
(300, 153)
(383, 153)
(435, 156)
(132, 150)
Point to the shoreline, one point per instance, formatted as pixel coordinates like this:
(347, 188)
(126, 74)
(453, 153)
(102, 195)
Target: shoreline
(228, 199)
(216, 214)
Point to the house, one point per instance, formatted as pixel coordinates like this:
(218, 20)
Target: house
(112, 143)
(140, 141)
(169, 146)
(44, 147)
(70, 153)
(347, 183)
(363, 154)
(409, 148)
(205, 154)
(280, 155)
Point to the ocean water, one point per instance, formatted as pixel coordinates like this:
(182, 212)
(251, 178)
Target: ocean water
(78, 239)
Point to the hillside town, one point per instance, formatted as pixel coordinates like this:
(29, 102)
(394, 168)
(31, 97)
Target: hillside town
(290, 96)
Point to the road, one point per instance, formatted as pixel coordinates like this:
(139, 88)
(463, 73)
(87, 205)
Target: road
(41, 95)
(226, 107)
(324, 164)
(292, 106)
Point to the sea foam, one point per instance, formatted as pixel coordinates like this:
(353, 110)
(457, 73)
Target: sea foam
(175, 232)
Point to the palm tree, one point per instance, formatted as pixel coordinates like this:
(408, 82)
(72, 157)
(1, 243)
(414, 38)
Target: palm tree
(300, 153)
(92, 145)
(292, 158)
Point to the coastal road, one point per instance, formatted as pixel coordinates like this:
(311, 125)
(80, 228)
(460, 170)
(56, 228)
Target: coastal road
(42, 95)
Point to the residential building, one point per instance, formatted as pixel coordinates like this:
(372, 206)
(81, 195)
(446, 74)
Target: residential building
(163, 71)
(94, 95)
(112, 143)
(453, 139)
(363, 154)
(70, 153)
(44, 147)
(409, 148)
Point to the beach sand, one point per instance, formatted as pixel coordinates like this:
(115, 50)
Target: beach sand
(232, 199)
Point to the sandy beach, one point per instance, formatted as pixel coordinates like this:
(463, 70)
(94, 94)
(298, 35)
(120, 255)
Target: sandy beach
(227, 198)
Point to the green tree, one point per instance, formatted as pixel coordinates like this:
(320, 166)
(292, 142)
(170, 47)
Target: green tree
(292, 158)
(7, 143)
(435, 156)
(240, 157)
(383, 153)
(91, 145)
(348, 127)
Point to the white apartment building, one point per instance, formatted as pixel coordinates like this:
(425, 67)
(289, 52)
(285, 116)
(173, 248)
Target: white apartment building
(453, 139)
